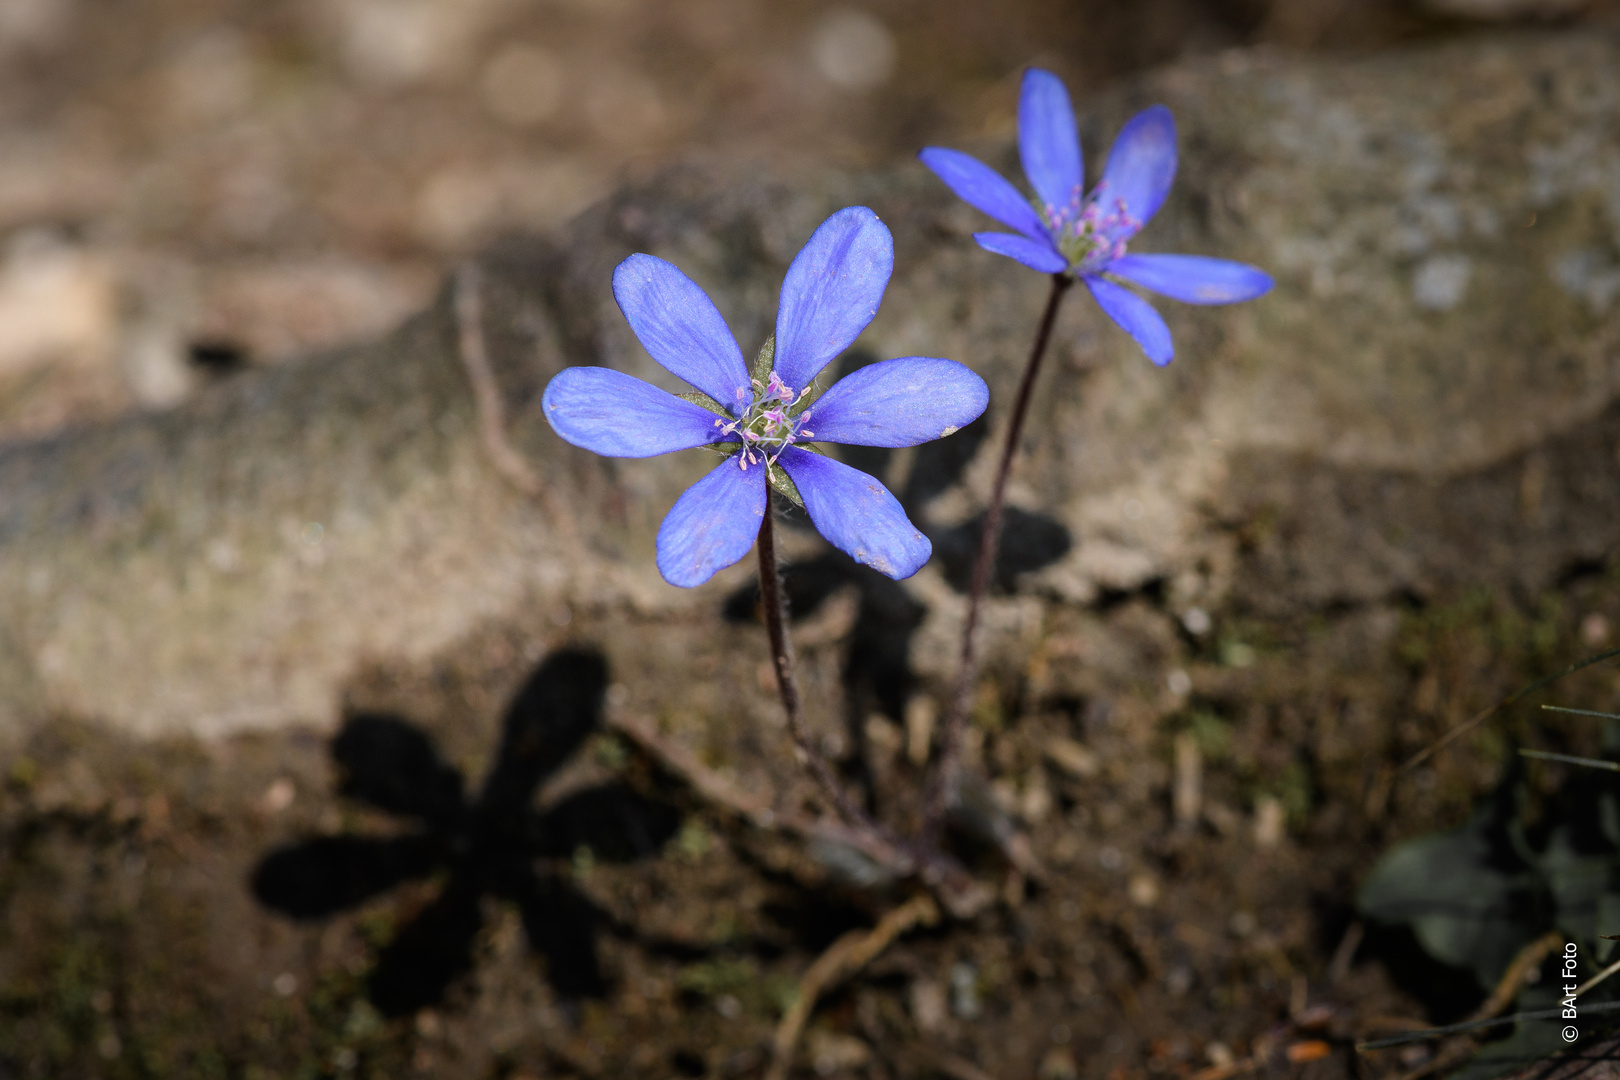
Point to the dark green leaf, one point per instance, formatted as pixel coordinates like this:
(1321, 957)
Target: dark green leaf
(1577, 880)
(1608, 918)
(765, 360)
(1469, 900)
(704, 401)
(784, 485)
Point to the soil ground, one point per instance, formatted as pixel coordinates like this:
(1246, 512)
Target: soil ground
(148, 929)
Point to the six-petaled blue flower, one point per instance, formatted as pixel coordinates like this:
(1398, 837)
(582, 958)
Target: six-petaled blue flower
(831, 292)
(1064, 231)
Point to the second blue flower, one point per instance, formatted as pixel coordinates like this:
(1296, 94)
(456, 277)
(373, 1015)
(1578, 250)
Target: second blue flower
(1064, 231)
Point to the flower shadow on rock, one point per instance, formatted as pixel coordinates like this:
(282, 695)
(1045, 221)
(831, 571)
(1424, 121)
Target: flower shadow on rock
(877, 672)
(488, 845)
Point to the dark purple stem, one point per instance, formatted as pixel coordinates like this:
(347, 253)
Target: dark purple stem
(770, 594)
(942, 785)
(941, 873)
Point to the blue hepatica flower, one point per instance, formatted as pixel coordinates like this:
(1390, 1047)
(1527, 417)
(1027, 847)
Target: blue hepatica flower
(1065, 231)
(763, 419)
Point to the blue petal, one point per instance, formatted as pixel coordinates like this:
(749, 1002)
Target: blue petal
(831, 292)
(680, 326)
(1141, 166)
(1135, 316)
(856, 514)
(712, 524)
(898, 403)
(1193, 279)
(619, 415)
(1035, 254)
(984, 189)
(1047, 140)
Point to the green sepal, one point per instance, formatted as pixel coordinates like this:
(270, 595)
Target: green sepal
(765, 361)
(724, 449)
(704, 401)
(784, 485)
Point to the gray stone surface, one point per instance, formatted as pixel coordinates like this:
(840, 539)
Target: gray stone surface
(1426, 401)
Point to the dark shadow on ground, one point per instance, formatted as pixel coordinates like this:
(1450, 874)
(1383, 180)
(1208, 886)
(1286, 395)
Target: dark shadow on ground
(494, 844)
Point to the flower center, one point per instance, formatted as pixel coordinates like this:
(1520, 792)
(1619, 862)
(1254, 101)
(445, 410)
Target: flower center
(1085, 231)
(768, 426)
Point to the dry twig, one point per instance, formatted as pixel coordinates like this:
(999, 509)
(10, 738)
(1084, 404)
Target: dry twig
(848, 955)
(1425, 1034)
(1345, 954)
(474, 352)
(962, 896)
(1512, 980)
(1599, 977)
(755, 809)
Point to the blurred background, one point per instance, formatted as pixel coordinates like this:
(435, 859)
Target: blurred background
(188, 186)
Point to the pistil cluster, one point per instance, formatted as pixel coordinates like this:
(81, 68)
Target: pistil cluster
(1086, 234)
(769, 425)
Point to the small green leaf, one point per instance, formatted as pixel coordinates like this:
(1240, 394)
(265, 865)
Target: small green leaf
(1609, 817)
(765, 360)
(724, 449)
(784, 485)
(1469, 902)
(704, 401)
(1578, 882)
(1608, 917)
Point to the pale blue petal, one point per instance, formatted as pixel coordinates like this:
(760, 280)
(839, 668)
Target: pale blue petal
(1141, 167)
(901, 402)
(831, 292)
(1135, 316)
(856, 514)
(619, 415)
(1193, 279)
(1048, 142)
(1035, 254)
(712, 524)
(984, 189)
(680, 326)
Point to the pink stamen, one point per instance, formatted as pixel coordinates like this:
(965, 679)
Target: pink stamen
(765, 429)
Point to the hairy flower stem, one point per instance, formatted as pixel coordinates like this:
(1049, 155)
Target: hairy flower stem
(770, 593)
(942, 784)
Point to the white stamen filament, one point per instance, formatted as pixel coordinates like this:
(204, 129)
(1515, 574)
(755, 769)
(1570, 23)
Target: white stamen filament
(765, 427)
